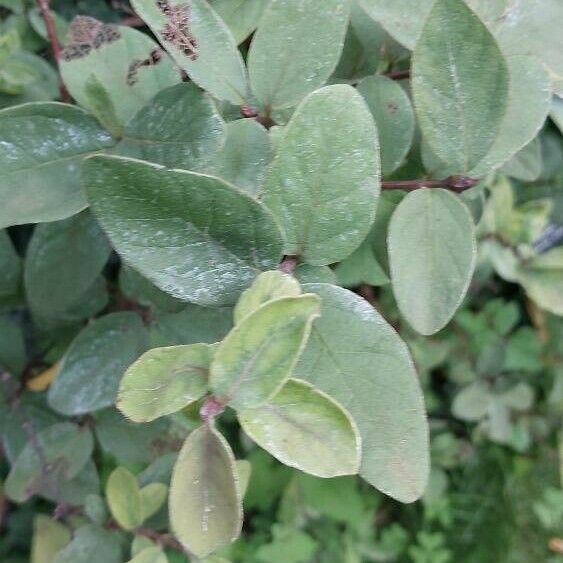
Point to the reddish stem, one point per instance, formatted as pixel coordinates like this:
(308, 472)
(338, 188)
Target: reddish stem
(288, 264)
(456, 184)
(398, 74)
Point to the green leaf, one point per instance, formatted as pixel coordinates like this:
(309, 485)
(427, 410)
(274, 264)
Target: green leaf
(62, 262)
(192, 235)
(306, 429)
(460, 104)
(206, 50)
(289, 545)
(13, 355)
(91, 544)
(244, 471)
(163, 381)
(124, 498)
(43, 144)
(305, 273)
(432, 252)
(295, 49)
(323, 184)
(10, 268)
(354, 356)
(242, 16)
(243, 159)
(150, 555)
(65, 449)
(472, 402)
(526, 164)
(259, 354)
(179, 128)
(392, 112)
(117, 65)
(101, 105)
(268, 286)
(153, 496)
(91, 368)
(403, 19)
(205, 500)
(49, 537)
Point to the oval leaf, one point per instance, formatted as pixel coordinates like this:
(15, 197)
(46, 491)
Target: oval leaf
(354, 356)
(432, 251)
(242, 16)
(266, 287)
(153, 497)
(323, 184)
(124, 499)
(258, 355)
(90, 371)
(306, 429)
(200, 43)
(295, 49)
(460, 104)
(192, 235)
(205, 501)
(163, 381)
(42, 147)
(150, 555)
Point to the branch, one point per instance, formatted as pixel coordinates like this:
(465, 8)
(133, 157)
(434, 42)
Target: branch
(457, 184)
(55, 45)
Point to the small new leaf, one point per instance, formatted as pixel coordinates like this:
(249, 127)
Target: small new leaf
(124, 499)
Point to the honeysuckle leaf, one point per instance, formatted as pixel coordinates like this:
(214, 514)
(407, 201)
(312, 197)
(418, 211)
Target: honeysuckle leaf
(42, 147)
(179, 128)
(354, 356)
(163, 381)
(432, 251)
(306, 429)
(65, 448)
(393, 114)
(205, 501)
(192, 235)
(257, 356)
(526, 164)
(127, 64)
(242, 16)
(91, 544)
(49, 537)
(266, 287)
(403, 19)
(472, 402)
(295, 49)
(91, 368)
(150, 555)
(244, 470)
(62, 262)
(200, 43)
(124, 498)
(10, 268)
(243, 159)
(459, 104)
(153, 497)
(323, 184)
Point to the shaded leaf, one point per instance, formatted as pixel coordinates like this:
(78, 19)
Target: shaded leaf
(192, 235)
(242, 16)
(354, 356)
(526, 164)
(91, 544)
(10, 268)
(153, 497)
(258, 355)
(205, 501)
(306, 429)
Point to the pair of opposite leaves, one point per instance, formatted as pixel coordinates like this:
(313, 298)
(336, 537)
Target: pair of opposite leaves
(249, 371)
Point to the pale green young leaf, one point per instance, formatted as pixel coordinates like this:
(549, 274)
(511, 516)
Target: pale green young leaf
(259, 354)
(295, 49)
(153, 496)
(354, 356)
(192, 235)
(49, 537)
(179, 128)
(432, 251)
(266, 287)
(323, 184)
(393, 114)
(244, 470)
(403, 19)
(139, 544)
(42, 147)
(62, 262)
(242, 16)
(243, 159)
(304, 428)
(150, 555)
(163, 381)
(208, 52)
(205, 501)
(66, 449)
(94, 363)
(91, 544)
(460, 85)
(526, 164)
(116, 66)
(10, 268)
(124, 498)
